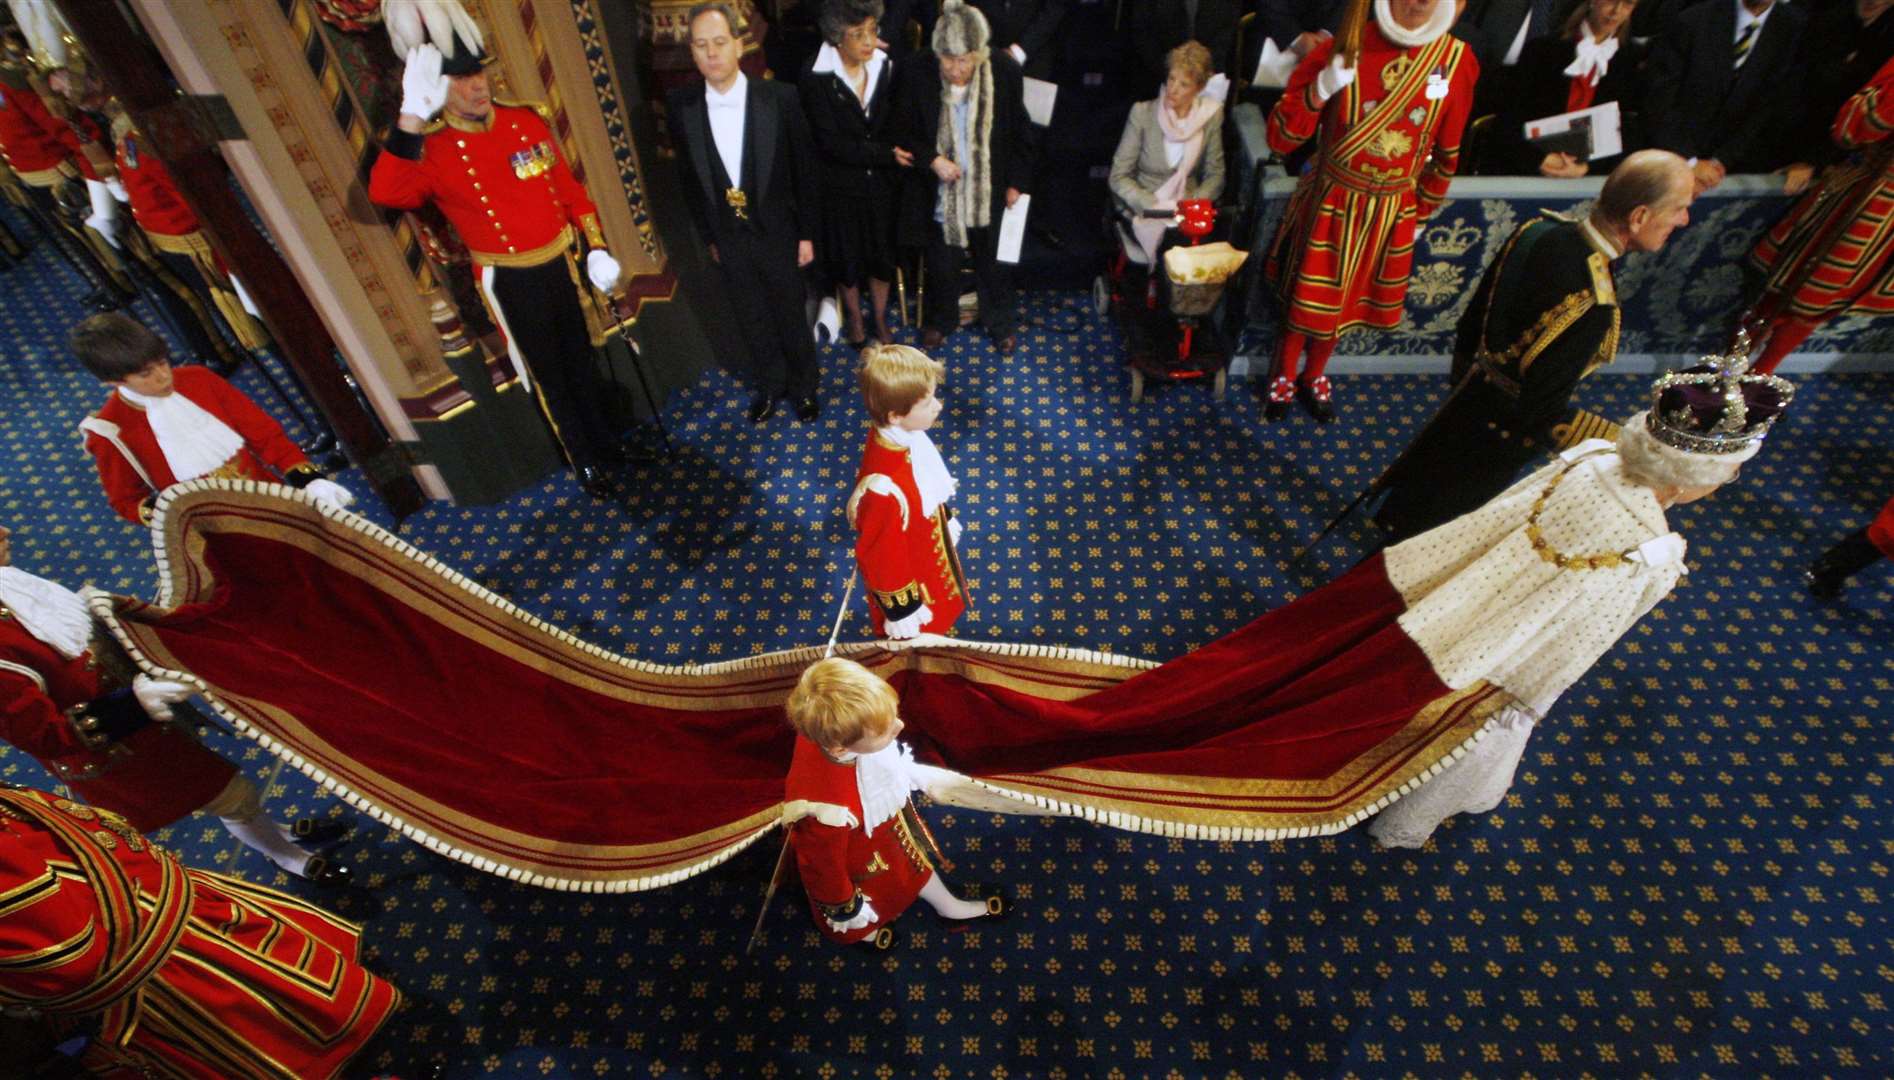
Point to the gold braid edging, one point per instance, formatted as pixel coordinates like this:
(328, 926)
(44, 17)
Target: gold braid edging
(905, 596)
(1550, 325)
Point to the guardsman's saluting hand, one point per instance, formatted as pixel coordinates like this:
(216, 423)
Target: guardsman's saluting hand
(423, 87)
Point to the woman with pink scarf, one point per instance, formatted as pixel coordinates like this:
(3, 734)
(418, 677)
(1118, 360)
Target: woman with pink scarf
(1172, 148)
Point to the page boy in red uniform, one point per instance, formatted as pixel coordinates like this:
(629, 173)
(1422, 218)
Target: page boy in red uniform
(906, 534)
(71, 698)
(165, 425)
(861, 847)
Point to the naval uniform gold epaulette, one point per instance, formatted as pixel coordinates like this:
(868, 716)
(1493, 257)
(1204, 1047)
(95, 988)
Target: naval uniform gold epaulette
(544, 110)
(1601, 285)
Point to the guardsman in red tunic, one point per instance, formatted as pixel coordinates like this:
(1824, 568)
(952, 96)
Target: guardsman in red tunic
(862, 850)
(1831, 255)
(72, 699)
(164, 425)
(176, 972)
(1856, 552)
(1389, 133)
(48, 156)
(42, 150)
(906, 542)
(199, 291)
(496, 172)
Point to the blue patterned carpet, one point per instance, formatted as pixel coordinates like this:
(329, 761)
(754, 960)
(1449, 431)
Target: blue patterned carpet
(1690, 877)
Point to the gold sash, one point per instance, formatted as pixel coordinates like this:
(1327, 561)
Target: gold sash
(1394, 106)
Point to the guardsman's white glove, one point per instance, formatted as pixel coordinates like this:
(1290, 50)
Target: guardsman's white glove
(155, 696)
(1333, 79)
(603, 270)
(423, 87)
(329, 493)
(910, 626)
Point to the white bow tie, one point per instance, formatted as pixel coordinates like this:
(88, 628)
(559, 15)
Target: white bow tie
(1592, 57)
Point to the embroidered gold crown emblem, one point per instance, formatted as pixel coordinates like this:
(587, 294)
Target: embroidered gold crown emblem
(1452, 241)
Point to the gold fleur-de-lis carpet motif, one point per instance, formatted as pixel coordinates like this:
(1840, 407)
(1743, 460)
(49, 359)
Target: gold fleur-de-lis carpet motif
(1690, 876)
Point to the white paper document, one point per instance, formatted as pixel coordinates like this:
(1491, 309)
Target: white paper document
(1605, 123)
(1013, 230)
(1040, 96)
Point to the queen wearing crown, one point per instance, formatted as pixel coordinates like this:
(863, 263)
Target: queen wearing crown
(1532, 589)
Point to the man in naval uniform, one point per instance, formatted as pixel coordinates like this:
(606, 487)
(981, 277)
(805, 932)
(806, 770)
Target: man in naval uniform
(495, 170)
(1545, 316)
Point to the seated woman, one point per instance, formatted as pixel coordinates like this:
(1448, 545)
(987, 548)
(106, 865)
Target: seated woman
(1593, 61)
(848, 93)
(1171, 149)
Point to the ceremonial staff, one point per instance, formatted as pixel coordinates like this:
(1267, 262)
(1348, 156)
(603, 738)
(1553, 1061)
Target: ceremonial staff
(1348, 42)
(782, 857)
(1348, 47)
(1380, 483)
(618, 308)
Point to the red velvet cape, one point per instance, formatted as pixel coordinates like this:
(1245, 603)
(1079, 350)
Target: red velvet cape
(504, 742)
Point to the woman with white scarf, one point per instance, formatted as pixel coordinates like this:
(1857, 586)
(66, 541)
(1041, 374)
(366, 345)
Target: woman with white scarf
(1172, 147)
(848, 93)
(1593, 61)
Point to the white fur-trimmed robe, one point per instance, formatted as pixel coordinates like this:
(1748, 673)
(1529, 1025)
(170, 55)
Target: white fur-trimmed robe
(1482, 604)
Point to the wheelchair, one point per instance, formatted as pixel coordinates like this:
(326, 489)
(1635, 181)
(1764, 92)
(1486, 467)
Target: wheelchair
(1172, 341)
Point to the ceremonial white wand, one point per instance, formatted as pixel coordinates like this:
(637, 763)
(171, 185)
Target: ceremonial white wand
(782, 857)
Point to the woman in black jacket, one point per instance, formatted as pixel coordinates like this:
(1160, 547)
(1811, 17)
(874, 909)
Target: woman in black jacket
(848, 93)
(1591, 62)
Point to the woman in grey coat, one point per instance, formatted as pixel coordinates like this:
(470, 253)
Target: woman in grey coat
(1171, 149)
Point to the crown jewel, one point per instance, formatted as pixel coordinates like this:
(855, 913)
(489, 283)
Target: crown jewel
(1717, 406)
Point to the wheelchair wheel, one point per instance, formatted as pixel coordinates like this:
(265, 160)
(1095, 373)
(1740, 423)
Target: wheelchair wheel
(1137, 386)
(1101, 295)
(1217, 385)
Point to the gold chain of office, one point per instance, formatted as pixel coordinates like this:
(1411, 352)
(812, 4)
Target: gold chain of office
(1559, 558)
